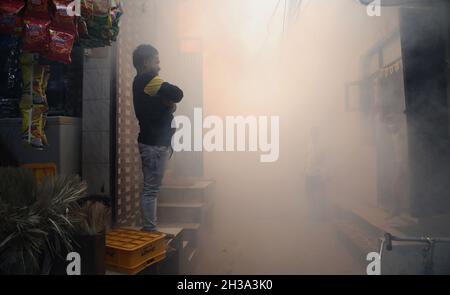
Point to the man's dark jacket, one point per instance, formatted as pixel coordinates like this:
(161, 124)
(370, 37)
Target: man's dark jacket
(155, 112)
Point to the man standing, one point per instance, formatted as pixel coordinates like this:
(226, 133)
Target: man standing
(316, 177)
(154, 104)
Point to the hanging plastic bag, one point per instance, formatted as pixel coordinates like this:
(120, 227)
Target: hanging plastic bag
(103, 28)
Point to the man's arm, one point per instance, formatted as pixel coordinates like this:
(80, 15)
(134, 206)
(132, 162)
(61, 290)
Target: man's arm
(168, 92)
(171, 92)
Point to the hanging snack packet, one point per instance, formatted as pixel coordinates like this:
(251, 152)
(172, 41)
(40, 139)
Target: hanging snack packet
(36, 35)
(11, 6)
(34, 78)
(37, 8)
(33, 103)
(43, 108)
(11, 24)
(60, 46)
(62, 19)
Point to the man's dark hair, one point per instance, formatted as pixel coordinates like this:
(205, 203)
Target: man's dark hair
(141, 53)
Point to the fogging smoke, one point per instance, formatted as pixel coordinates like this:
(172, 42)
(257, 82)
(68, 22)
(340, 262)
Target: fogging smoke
(260, 60)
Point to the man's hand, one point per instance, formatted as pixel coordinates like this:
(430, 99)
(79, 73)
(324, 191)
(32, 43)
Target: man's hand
(171, 105)
(173, 108)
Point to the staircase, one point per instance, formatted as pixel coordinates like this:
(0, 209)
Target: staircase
(186, 204)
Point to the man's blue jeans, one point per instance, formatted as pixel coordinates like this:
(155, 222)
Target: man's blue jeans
(154, 159)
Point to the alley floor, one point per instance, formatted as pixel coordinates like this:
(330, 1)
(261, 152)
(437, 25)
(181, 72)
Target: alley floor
(271, 234)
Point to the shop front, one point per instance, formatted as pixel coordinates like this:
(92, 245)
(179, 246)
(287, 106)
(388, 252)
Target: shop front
(51, 202)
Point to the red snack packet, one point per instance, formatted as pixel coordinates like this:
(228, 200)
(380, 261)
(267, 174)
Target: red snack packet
(62, 19)
(37, 8)
(10, 24)
(36, 35)
(60, 46)
(11, 6)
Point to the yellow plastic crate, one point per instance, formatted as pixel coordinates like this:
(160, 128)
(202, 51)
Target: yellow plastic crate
(41, 170)
(129, 249)
(136, 270)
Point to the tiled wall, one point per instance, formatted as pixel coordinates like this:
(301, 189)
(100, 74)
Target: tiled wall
(96, 135)
(96, 120)
(129, 175)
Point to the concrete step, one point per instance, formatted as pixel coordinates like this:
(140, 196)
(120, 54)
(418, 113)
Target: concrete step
(375, 220)
(357, 239)
(187, 250)
(189, 258)
(360, 227)
(181, 212)
(177, 232)
(187, 191)
(190, 231)
(192, 256)
(181, 205)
